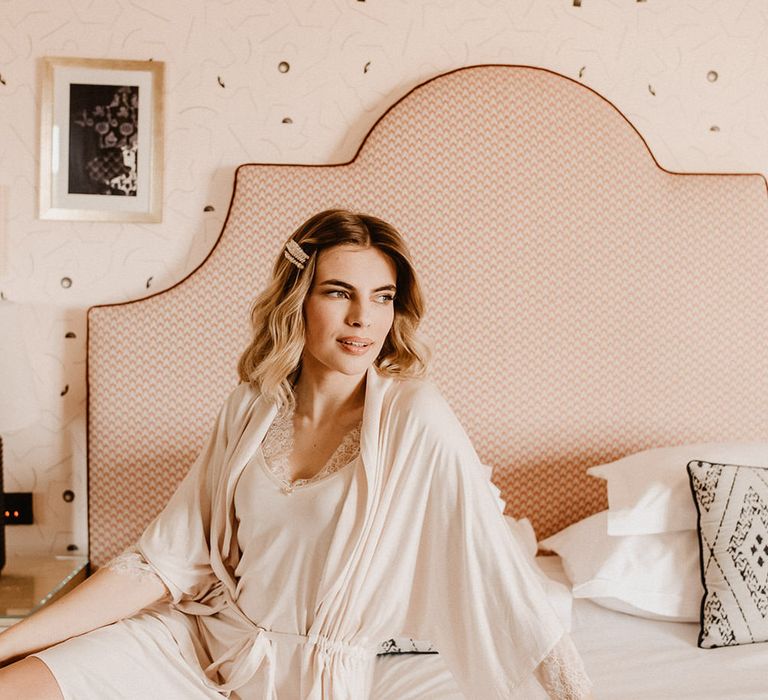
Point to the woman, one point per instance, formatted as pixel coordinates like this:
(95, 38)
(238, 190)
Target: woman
(337, 503)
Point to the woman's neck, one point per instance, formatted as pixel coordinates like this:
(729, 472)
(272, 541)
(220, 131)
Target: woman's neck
(322, 397)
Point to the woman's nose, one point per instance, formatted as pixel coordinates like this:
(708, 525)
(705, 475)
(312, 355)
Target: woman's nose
(359, 316)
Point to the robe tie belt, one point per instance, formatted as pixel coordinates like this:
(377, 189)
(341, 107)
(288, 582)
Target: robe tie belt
(258, 645)
(246, 657)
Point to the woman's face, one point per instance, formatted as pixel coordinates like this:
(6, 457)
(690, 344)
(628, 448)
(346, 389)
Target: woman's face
(349, 309)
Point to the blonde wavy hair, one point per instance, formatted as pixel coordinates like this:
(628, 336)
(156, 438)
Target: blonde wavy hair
(272, 361)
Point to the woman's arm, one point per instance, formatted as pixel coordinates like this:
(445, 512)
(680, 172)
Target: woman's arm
(476, 596)
(171, 560)
(109, 595)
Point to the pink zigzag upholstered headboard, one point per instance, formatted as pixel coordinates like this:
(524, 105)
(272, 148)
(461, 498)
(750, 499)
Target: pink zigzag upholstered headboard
(583, 303)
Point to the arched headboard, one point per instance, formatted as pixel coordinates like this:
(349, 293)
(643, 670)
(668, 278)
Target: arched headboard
(583, 303)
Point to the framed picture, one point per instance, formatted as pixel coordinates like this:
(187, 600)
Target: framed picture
(101, 140)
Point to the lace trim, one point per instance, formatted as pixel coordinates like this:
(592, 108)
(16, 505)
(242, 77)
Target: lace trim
(562, 674)
(278, 445)
(132, 563)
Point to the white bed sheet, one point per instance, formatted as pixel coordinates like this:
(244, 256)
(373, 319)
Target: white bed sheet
(627, 657)
(631, 657)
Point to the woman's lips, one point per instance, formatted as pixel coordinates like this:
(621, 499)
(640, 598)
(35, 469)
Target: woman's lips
(355, 346)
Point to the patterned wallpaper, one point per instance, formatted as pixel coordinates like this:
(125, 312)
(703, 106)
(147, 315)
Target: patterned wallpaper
(282, 81)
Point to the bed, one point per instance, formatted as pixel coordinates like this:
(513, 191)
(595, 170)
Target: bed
(584, 305)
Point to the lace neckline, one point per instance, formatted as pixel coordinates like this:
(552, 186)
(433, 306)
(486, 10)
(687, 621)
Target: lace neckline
(278, 444)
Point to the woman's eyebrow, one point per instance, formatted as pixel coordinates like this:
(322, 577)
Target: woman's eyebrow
(346, 285)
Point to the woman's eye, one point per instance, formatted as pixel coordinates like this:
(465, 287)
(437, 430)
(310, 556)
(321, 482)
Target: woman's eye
(337, 293)
(386, 298)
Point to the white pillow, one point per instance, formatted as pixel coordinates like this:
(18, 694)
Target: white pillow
(649, 492)
(654, 576)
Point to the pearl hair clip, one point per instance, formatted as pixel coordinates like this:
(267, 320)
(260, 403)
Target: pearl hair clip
(295, 253)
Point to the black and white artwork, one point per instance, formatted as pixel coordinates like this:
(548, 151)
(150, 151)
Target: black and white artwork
(103, 139)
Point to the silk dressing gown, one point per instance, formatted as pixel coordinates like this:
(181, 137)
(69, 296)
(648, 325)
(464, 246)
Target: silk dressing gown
(406, 540)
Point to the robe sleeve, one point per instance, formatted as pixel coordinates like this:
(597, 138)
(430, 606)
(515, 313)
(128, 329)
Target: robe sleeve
(475, 595)
(176, 544)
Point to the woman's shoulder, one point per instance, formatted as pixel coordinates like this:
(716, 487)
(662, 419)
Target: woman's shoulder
(243, 391)
(239, 400)
(419, 404)
(413, 390)
(420, 399)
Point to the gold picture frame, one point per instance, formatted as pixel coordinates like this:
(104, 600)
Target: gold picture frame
(101, 140)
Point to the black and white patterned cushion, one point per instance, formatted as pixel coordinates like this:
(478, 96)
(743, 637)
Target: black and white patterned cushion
(732, 504)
